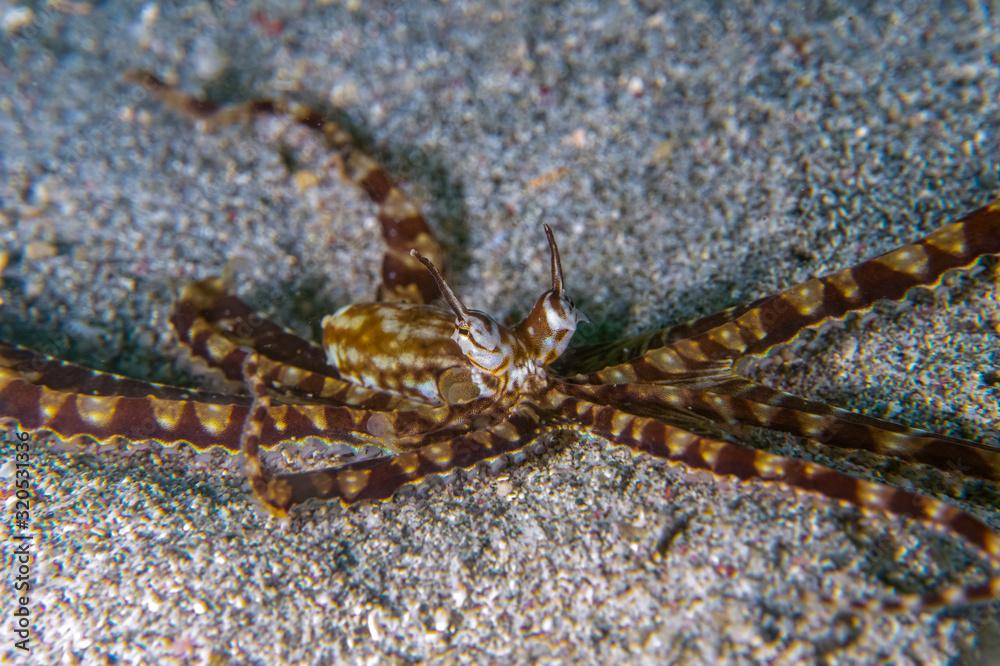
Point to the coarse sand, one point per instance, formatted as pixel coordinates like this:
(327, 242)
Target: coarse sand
(689, 158)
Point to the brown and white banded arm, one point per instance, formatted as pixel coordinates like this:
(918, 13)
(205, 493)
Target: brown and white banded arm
(742, 402)
(206, 310)
(755, 404)
(587, 359)
(21, 363)
(726, 459)
(755, 330)
(44, 394)
(403, 225)
(380, 478)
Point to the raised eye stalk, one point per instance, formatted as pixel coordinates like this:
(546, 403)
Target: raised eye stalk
(557, 274)
(456, 305)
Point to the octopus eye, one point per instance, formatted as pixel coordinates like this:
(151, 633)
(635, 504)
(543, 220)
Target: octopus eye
(464, 331)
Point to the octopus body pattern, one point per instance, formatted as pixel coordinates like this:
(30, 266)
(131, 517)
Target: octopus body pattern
(436, 385)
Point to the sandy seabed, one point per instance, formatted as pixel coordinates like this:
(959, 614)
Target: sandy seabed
(689, 159)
